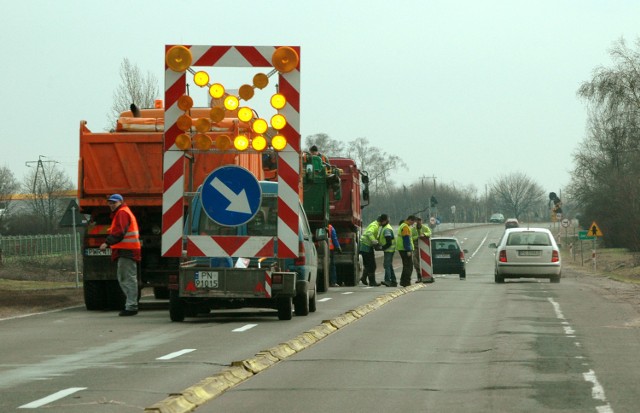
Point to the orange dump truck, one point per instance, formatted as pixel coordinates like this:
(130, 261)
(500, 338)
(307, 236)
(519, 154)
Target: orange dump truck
(128, 161)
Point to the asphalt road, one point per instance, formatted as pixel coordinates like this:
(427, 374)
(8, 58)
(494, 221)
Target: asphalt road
(456, 346)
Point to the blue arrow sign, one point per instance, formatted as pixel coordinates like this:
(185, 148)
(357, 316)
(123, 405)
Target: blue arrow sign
(231, 195)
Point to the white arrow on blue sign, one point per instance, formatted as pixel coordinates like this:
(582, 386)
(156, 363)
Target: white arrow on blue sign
(231, 195)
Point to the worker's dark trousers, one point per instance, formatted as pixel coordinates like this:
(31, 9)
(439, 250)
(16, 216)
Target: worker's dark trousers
(369, 271)
(407, 269)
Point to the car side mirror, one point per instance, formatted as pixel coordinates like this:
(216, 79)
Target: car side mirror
(493, 245)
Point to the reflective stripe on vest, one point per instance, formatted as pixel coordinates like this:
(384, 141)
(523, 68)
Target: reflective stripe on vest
(131, 240)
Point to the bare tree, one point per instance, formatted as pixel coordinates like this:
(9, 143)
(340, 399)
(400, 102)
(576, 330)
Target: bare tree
(45, 186)
(607, 164)
(8, 187)
(134, 88)
(517, 194)
(376, 162)
(327, 145)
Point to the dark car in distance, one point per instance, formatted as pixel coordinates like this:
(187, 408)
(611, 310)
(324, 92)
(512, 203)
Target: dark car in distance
(447, 256)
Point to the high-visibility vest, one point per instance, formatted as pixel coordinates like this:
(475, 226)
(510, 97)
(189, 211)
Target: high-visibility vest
(370, 234)
(131, 240)
(399, 238)
(383, 240)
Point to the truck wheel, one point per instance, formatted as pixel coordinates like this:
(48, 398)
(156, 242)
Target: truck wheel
(312, 301)
(115, 296)
(95, 295)
(301, 304)
(284, 308)
(161, 293)
(176, 307)
(323, 268)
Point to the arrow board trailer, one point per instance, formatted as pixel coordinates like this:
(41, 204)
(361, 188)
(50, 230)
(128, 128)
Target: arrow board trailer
(239, 244)
(238, 266)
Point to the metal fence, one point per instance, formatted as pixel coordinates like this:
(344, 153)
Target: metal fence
(37, 245)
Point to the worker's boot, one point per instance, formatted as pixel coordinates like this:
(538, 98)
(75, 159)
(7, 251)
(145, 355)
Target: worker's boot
(363, 279)
(372, 281)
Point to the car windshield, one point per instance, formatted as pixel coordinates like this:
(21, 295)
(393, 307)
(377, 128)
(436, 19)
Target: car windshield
(449, 244)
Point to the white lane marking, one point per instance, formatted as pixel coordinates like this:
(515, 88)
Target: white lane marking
(347, 292)
(51, 398)
(322, 300)
(479, 246)
(597, 391)
(244, 328)
(176, 354)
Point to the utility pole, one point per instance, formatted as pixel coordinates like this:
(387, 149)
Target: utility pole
(40, 166)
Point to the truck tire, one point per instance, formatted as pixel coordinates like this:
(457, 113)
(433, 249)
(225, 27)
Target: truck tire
(312, 302)
(95, 295)
(115, 296)
(301, 304)
(284, 307)
(323, 268)
(176, 307)
(161, 293)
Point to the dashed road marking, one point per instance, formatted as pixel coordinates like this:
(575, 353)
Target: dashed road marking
(244, 328)
(176, 354)
(51, 398)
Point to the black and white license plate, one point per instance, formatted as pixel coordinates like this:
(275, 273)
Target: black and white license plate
(96, 251)
(206, 279)
(529, 253)
(443, 256)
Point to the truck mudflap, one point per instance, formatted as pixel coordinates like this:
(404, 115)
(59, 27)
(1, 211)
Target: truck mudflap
(216, 282)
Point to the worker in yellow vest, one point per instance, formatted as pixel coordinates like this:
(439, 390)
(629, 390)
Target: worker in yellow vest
(404, 245)
(368, 243)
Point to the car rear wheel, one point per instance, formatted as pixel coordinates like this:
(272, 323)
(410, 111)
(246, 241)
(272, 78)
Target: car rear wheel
(555, 278)
(284, 308)
(301, 304)
(499, 279)
(312, 302)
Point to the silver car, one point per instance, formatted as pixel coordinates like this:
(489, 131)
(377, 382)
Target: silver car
(527, 253)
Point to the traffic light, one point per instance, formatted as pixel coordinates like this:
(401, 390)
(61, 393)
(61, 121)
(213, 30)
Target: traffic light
(434, 201)
(557, 203)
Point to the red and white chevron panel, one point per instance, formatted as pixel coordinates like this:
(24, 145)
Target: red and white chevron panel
(288, 161)
(424, 248)
(222, 246)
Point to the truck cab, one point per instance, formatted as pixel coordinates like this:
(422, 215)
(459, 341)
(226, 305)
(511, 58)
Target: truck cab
(207, 283)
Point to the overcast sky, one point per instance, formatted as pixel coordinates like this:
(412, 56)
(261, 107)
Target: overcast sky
(466, 91)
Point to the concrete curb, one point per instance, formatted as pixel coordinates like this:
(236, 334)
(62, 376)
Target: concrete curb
(239, 371)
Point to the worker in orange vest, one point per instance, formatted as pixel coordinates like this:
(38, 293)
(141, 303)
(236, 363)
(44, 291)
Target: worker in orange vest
(126, 249)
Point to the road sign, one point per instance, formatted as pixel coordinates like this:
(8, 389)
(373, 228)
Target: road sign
(231, 195)
(72, 213)
(594, 231)
(584, 235)
(565, 222)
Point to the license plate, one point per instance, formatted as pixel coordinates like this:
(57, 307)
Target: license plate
(206, 279)
(443, 256)
(96, 251)
(529, 253)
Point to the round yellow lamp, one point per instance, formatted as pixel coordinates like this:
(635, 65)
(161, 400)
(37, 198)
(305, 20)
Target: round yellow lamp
(185, 102)
(223, 142)
(184, 122)
(245, 114)
(183, 141)
(279, 142)
(278, 121)
(245, 92)
(285, 59)
(202, 142)
(278, 101)
(201, 78)
(259, 143)
(260, 80)
(231, 102)
(216, 114)
(178, 58)
(259, 126)
(216, 91)
(241, 142)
